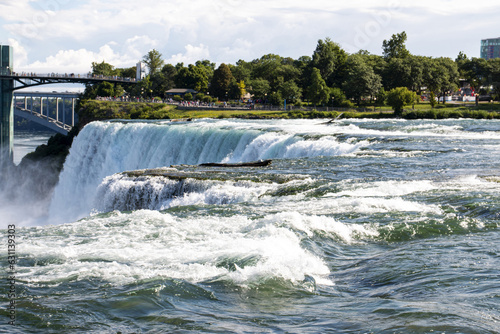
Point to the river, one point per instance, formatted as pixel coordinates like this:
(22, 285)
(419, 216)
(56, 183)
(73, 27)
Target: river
(27, 141)
(359, 226)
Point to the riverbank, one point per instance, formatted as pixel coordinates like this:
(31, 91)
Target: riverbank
(92, 110)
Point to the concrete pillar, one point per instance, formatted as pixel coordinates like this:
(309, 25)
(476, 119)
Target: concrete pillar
(72, 112)
(6, 107)
(6, 122)
(64, 111)
(57, 109)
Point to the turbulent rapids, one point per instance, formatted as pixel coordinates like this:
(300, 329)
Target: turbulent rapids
(357, 226)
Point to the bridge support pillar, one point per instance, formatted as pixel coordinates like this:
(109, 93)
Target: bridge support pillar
(6, 108)
(64, 111)
(72, 112)
(57, 109)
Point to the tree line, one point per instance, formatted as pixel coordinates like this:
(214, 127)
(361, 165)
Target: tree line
(330, 77)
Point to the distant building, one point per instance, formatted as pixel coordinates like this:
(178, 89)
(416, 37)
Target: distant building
(490, 48)
(140, 71)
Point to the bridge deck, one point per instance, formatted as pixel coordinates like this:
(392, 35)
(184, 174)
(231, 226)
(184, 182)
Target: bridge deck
(34, 79)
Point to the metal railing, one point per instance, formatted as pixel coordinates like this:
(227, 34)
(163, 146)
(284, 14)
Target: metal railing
(31, 75)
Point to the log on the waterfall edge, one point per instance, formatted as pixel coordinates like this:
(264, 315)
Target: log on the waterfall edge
(260, 163)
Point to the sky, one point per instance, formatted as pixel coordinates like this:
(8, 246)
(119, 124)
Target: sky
(66, 36)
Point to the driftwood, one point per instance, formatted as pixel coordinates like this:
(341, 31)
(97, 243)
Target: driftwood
(260, 163)
(333, 120)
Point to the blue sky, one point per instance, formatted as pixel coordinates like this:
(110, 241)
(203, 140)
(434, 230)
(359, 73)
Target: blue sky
(67, 36)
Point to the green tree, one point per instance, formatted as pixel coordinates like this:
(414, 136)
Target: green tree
(395, 47)
(103, 69)
(129, 72)
(441, 76)
(381, 97)
(102, 89)
(153, 61)
(221, 81)
(193, 77)
(318, 93)
(494, 76)
(330, 59)
(105, 89)
(432, 99)
(259, 88)
(206, 66)
(398, 97)
(290, 91)
(405, 72)
(361, 79)
(338, 97)
(242, 70)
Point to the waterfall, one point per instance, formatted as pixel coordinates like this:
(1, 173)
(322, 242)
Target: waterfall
(105, 148)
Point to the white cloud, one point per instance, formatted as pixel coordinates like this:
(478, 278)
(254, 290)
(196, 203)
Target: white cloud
(192, 54)
(51, 33)
(20, 53)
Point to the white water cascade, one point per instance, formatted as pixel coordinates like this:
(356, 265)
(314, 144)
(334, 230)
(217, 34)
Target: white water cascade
(105, 148)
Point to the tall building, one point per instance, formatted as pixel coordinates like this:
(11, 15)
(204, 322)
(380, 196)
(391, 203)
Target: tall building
(490, 48)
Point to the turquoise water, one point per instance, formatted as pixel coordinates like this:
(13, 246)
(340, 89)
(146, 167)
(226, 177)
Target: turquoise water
(360, 226)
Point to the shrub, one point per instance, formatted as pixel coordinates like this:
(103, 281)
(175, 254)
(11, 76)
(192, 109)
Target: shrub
(398, 97)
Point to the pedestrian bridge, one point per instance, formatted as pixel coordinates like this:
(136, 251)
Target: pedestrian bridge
(55, 111)
(51, 111)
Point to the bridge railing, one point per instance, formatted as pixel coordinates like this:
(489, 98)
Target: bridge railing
(5, 71)
(31, 75)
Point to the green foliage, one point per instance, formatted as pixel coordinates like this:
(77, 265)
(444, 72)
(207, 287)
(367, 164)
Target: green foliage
(153, 61)
(275, 98)
(188, 97)
(319, 93)
(290, 91)
(432, 99)
(330, 59)
(398, 97)
(102, 69)
(381, 97)
(337, 96)
(453, 113)
(361, 80)
(259, 88)
(105, 89)
(193, 77)
(91, 110)
(395, 47)
(441, 75)
(330, 77)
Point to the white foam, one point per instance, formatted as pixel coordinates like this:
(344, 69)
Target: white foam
(120, 192)
(122, 248)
